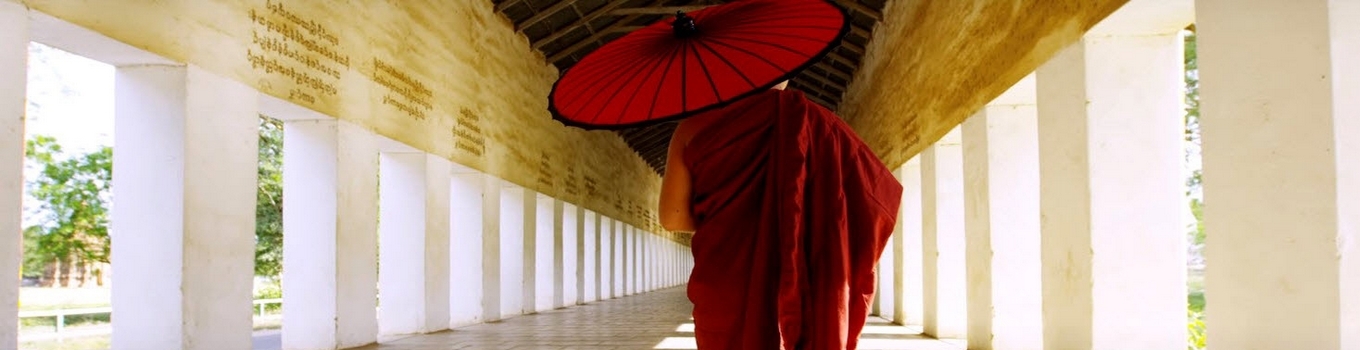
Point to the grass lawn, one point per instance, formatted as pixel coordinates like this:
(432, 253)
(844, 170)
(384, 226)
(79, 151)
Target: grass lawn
(96, 342)
(1196, 295)
(33, 299)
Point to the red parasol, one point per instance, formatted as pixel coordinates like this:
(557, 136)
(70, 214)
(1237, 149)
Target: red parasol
(695, 62)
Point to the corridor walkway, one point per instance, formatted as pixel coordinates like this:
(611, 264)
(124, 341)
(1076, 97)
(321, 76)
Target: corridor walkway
(657, 320)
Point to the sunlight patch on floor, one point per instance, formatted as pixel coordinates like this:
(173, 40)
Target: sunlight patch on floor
(887, 330)
(677, 343)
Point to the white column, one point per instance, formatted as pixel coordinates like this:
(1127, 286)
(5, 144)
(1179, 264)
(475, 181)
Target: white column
(493, 294)
(467, 220)
(909, 220)
(653, 261)
(584, 258)
(626, 259)
(639, 260)
(607, 251)
(592, 256)
(330, 234)
(565, 256)
(514, 218)
(1281, 115)
(1111, 196)
(542, 282)
(13, 102)
(414, 243)
(184, 227)
(886, 277)
(619, 260)
(942, 238)
(437, 182)
(1001, 211)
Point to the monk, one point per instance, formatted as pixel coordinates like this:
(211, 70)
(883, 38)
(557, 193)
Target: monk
(789, 212)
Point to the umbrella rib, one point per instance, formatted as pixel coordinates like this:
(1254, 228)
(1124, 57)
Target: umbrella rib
(684, 83)
(785, 48)
(635, 73)
(762, 58)
(650, 72)
(781, 35)
(652, 111)
(598, 89)
(709, 75)
(740, 73)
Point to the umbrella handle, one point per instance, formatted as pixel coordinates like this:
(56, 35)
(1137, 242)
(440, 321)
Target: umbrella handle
(684, 25)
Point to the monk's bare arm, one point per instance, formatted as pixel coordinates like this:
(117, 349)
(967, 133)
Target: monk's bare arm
(676, 212)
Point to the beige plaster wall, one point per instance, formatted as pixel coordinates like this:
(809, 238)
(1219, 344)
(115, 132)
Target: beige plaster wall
(932, 63)
(448, 77)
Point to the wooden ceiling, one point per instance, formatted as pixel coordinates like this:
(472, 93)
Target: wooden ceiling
(566, 30)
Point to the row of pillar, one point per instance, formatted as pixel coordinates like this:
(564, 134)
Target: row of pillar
(379, 238)
(1054, 217)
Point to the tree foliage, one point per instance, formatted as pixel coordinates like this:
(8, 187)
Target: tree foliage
(269, 200)
(74, 192)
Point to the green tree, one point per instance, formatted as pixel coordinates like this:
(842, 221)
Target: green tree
(269, 200)
(74, 192)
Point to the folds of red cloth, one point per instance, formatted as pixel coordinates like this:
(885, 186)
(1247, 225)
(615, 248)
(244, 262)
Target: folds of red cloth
(792, 211)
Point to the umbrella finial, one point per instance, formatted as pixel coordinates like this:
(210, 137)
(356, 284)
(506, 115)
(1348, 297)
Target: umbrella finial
(684, 25)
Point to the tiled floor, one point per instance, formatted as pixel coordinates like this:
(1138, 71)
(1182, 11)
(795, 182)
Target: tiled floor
(657, 320)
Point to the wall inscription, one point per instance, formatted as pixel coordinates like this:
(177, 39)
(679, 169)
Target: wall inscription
(467, 133)
(406, 94)
(284, 44)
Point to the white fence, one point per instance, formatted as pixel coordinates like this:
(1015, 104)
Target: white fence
(60, 315)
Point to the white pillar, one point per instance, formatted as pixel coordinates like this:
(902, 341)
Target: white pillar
(1281, 172)
(542, 234)
(583, 255)
(620, 259)
(493, 294)
(1111, 197)
(1001, 210)
(514, 218)
(942, 238)
(886, 276)
(909, 220)
(592, 256)
(414, 243)
(607, 251)
(626, 255)
(330, 234)
(467, 221)
(564, 255)
(639, 260)
(13, 102)
(184, 227)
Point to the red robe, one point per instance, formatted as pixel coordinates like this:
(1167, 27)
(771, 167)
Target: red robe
(792, 212)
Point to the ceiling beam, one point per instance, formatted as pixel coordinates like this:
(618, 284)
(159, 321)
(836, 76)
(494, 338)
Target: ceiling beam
(816, 89)
(542, 15)
(584, 20)
(821, 79)
(505, 5)
(846, 61)
(825, 65)
(597, 36)
(855, 5)
(663, 10)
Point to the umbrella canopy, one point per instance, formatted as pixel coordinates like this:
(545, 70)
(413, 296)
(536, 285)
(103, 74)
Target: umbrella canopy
(695, 62)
